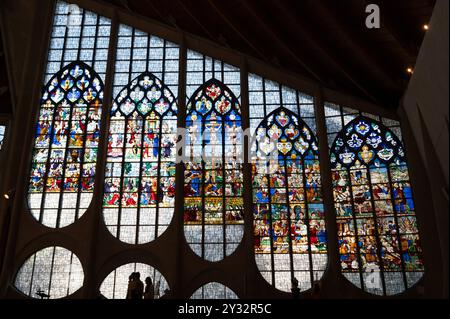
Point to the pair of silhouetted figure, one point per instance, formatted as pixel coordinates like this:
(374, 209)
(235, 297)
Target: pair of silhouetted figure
(315, 291)
(136, 287)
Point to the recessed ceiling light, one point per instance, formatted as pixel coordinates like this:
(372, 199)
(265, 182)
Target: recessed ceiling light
(426, 27)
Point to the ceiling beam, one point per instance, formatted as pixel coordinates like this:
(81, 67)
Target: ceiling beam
(300, 28)
(281, 44)
(167, 20)
(125, 4)
(193, 17)
(236, 30)
(360, 51)
(409, 54)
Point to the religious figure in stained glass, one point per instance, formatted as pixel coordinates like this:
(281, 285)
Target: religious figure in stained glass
(289, 227)
(139, 189)
(213, 204)
(65, 148)
(379, 244)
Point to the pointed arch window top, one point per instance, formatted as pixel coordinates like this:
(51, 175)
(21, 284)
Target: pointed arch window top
(145, 94)
(291, 136)
(75, 83)
(214, 97)
(367, 142)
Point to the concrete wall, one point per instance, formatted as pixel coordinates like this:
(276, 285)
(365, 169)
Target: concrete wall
(425, 104)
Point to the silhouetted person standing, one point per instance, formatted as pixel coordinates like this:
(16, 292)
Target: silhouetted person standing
(295, 290)
(135, 286)
(316, 290)
(130, 285)
(139, 292)
(149, 289)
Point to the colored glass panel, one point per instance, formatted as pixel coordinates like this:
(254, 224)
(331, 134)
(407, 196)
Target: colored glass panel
(213, 204)
(379, 245)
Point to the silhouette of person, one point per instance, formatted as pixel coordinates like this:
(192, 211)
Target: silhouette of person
(130, 285)
(295, 290)
(135, 286)
(149, 289)
(139, 290)
(315, 293)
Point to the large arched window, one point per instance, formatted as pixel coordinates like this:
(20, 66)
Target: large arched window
(379, 244)
(68, 126)
(139, 193)
(289, 226)
(51, 273)
(65, 147)
(213, 203)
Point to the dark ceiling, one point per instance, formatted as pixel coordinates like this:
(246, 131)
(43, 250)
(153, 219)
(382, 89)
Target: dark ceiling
(5, 94)
(325, 40)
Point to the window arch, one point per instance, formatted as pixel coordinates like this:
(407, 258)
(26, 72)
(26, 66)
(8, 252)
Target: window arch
(289, 226)
(379, 244)
(65, 146)
(115, 285)
(214, 290)
(213, 203)
(53, 272)
(139, 191)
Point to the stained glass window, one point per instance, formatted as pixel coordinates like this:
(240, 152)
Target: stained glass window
(65, 147)
(200, 68)
(139, 191)
(2, 135)
(289, 227)
(68, 126)
(214, 290)
(77, 34)
(337, 117)
(53, 272)
(379, 244)
(213, 204)
(115, 285)
(138, 52)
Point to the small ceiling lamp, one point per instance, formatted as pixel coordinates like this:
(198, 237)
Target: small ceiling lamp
(426, 27)
(9, 194)
(410, 70)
